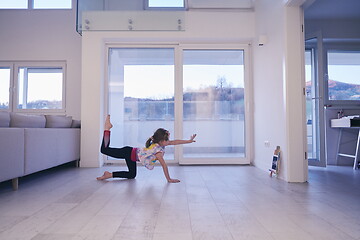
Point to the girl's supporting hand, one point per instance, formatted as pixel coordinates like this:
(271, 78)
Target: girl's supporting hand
(173, 180)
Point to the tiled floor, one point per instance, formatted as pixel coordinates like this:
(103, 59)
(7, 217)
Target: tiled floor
(211, 202)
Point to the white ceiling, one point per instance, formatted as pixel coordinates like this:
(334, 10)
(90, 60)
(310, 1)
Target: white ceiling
(332, 9)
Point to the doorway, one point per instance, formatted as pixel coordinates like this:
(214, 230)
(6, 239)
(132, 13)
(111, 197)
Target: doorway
(315, 124)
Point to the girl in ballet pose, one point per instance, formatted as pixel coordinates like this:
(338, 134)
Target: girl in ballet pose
(154, 151)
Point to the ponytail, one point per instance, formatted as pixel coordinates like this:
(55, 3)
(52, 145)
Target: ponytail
(148, 142)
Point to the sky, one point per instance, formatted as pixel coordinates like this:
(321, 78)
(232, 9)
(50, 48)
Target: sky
(167, 3)
(352, 75)
(40, 88)
(157, 81)
(345, 73)
(342, 66)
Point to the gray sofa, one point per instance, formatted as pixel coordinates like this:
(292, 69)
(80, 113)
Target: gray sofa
(32, 143)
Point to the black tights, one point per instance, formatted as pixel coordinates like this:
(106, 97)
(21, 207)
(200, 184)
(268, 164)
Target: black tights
(124, 153)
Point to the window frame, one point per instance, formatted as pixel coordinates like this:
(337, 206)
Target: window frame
(248, 87)
(14, 85)
(178, 98)
(147, 7)
(10, 66)
(336, 47)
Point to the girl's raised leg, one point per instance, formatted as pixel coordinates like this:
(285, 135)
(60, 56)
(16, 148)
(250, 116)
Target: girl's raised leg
(122, 153)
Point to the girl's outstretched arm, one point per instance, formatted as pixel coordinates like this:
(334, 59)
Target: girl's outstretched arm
(177, 142)
(159, 157)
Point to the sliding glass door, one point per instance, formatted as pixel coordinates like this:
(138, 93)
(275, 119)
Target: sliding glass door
(186, 91)
(213, 105)
(140, 94)
(314, 103)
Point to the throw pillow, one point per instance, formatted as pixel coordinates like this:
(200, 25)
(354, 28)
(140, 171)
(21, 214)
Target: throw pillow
(55, 121)
(27, 121)
(76, 124)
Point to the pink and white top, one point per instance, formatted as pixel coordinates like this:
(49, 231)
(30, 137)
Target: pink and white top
(147, 156)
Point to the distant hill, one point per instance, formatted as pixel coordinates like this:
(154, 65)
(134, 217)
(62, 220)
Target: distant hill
(341, 91)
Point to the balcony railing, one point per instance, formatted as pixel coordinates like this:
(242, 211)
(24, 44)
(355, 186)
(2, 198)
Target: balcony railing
(100, 15)
(141, 110)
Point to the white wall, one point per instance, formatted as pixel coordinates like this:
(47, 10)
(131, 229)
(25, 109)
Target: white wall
(277, 77)
(201, 27)
(44, 35)
(50, 35)
(278, 80)
(269, 110)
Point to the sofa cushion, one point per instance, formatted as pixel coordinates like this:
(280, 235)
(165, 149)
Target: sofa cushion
(4, 119)
(27, 121)
(55, 121)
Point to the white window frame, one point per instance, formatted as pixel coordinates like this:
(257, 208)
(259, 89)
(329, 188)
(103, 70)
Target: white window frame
(340, 48)
(10, 66)
(178, 127)
(14, 93)
(248, 113)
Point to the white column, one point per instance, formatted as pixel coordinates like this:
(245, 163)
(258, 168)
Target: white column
(294, 74)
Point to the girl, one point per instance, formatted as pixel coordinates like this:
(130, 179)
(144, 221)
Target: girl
(155, 149)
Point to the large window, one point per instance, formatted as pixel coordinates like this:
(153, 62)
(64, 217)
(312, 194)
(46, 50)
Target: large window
(40, 88)
(13, 4)
(53, 4)
(32, 86)
(35, 4)
(168, 4)
(343, 85)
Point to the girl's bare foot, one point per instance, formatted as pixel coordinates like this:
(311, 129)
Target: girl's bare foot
(106, 175)
(108, 124)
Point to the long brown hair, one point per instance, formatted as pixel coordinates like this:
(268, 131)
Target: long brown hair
(159, 135)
